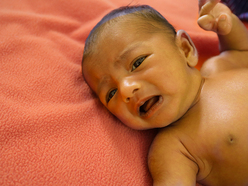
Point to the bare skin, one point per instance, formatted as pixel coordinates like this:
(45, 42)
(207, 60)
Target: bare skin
(147, 82)
(209, 144)
(211, 139)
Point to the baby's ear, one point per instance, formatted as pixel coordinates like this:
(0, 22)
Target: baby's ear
(188, 48)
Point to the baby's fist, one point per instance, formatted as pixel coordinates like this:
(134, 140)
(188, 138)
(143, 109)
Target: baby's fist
(215, 17)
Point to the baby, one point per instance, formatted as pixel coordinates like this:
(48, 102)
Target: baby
(144, 72)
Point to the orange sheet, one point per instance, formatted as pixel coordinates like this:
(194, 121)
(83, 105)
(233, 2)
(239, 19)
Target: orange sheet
(53, 131)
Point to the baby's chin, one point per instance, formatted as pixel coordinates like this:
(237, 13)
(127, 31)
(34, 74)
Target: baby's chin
(138, 125)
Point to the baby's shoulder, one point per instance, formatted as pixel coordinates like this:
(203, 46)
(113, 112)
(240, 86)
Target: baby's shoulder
(228, 60)
(167, 139)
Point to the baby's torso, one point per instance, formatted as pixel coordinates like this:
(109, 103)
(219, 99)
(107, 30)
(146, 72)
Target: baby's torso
(215, 130)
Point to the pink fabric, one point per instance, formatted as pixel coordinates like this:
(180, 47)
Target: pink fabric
(53, 130)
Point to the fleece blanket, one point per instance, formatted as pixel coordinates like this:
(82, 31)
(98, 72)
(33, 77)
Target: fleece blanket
(53, 130)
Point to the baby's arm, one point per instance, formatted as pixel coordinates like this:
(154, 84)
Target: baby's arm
(170, 163)
(217, 17)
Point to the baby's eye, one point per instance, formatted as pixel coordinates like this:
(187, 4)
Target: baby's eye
(110, 95)
(138, 62)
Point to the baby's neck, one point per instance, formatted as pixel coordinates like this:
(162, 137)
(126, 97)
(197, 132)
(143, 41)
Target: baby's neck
(197, 97)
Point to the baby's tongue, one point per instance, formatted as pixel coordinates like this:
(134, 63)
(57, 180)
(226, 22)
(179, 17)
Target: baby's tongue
(148, 104)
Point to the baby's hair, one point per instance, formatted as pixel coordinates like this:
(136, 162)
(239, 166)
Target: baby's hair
(154, 22)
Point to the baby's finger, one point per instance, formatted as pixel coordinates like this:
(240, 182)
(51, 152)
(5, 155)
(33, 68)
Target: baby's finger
(207, 7)
(224, 24)
(206, 22)
(201, 3)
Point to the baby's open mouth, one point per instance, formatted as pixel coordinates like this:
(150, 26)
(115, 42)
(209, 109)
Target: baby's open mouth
(148, 105)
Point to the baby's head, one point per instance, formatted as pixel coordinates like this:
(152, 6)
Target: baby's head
(144, 16)
(141, 69)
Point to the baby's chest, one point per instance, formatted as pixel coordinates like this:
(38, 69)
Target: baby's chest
(223, 133)
(224, 104)
(225, 108)
(223, 113)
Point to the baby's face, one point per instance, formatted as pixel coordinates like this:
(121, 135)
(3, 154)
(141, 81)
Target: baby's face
(142, 78)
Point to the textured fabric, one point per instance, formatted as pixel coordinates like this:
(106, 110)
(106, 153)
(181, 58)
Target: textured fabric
(238, 7)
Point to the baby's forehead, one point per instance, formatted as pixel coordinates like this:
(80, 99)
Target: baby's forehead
(127, 25)
(117, 24)
(115, 30)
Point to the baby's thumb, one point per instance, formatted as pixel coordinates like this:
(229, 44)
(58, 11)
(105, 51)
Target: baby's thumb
(224, 24)
(206, 22)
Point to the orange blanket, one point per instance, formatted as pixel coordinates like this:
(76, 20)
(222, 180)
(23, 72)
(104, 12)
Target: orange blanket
(53, 130)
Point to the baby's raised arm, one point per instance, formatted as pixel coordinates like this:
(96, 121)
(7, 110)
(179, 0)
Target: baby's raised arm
(217, 17)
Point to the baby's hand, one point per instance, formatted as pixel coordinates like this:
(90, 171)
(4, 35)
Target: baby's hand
(215, 16)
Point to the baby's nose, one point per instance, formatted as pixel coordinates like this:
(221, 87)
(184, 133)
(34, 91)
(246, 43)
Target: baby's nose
(128, 87)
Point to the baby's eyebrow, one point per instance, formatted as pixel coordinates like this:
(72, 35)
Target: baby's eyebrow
(126, 53)
(101, 84)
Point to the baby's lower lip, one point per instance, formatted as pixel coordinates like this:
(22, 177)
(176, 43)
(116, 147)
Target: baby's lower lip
(153, 109)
